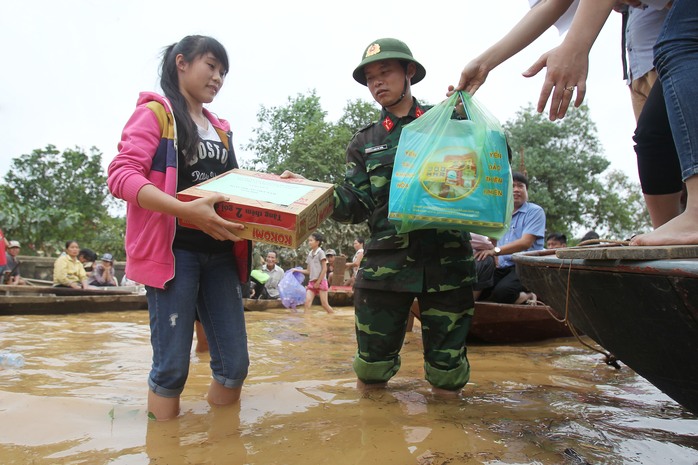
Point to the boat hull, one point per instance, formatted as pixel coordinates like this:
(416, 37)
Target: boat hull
(497, 323)
(643, 312)
(259, 305)
(47, 300)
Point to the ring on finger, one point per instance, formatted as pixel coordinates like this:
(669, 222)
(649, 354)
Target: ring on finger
(569, 88)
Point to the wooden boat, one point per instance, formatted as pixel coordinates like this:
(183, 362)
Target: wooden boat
(509, 323)
(497, 323)
(48, 300)
(338, 296)
(639, 303)
(255, 305)
(341, 296)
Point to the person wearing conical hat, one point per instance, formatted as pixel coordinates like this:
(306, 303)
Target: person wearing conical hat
(434, 266)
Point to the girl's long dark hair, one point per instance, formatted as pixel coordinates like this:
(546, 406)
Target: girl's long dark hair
(191, 47)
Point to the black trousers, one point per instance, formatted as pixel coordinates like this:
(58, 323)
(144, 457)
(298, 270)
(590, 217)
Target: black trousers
(657, 160)
(507, 286)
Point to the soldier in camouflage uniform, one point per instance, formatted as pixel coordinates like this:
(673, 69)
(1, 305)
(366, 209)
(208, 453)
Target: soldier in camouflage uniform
(435, 265)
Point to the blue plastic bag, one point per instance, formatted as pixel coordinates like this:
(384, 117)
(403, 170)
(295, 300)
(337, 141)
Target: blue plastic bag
(451, 173)
(291, 289)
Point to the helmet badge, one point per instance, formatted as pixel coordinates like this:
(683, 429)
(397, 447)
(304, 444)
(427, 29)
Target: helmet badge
(373, 49)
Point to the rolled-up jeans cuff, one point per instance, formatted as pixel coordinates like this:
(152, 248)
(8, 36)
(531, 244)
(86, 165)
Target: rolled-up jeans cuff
(164, 392)
(228, 383)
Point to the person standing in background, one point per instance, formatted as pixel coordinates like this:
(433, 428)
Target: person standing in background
(317, 273)
(353, 267)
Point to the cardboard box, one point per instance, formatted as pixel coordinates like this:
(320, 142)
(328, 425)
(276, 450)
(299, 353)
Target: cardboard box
(276, 211)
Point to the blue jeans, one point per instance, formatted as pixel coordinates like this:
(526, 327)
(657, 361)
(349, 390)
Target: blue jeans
(676, 60)
(208, 283)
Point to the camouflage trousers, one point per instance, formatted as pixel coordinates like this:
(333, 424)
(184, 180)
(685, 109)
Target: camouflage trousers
(381, 318)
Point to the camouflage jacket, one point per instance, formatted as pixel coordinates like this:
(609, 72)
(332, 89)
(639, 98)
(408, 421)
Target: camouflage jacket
(428, 260)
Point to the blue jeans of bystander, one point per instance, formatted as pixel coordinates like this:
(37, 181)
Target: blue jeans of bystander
(676, 60)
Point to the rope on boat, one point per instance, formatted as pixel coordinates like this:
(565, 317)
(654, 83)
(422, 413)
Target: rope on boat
(609, 358)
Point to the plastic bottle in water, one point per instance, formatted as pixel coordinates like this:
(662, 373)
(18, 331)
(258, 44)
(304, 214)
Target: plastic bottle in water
(11, 360)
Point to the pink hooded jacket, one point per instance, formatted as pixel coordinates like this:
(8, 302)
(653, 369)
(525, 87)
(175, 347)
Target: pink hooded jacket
(148, 155)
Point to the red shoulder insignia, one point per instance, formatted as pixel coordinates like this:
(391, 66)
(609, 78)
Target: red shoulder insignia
(388, 124)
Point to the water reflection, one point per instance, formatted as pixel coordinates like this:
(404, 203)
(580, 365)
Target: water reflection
(80, 399)
(209, 438)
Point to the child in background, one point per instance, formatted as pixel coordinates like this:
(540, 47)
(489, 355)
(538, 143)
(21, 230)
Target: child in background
(103, 273)
(317, 273)
(88, 258)
(172, 142)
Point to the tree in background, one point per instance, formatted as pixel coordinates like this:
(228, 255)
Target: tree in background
(566, 171)
(50, 197)
(298, 137)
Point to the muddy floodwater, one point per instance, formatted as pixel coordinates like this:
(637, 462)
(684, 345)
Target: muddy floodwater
(81, 396)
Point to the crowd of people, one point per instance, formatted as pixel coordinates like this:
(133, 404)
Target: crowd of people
(190, 274)
(79, 268)
(74, 267)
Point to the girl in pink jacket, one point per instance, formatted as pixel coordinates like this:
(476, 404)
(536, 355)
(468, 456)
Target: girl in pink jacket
(170, 143)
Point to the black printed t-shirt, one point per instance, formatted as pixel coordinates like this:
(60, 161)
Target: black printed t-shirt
(212, 159)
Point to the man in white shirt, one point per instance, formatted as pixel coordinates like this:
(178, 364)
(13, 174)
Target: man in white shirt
(275, 273)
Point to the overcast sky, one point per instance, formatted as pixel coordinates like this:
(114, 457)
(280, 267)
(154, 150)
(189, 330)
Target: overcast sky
(72, 70)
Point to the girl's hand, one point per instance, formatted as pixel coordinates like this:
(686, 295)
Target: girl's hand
(201, 213)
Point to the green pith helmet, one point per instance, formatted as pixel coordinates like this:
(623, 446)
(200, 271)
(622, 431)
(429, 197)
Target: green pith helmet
(387, 49)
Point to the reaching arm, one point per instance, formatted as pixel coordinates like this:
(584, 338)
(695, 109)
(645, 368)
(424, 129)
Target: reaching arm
(519, 245)
(568, 64)
(539, 19)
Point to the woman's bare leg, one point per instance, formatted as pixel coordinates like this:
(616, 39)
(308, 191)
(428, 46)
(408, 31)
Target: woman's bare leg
(221, 395)
(663, 208)
(163, 408)
(683, 229)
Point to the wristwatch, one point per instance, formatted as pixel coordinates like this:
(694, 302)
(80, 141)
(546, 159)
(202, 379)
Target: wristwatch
(497, 250)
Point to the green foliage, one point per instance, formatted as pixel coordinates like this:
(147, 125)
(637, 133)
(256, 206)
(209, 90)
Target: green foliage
(297, 137)
(51, 197)
(565, 166)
